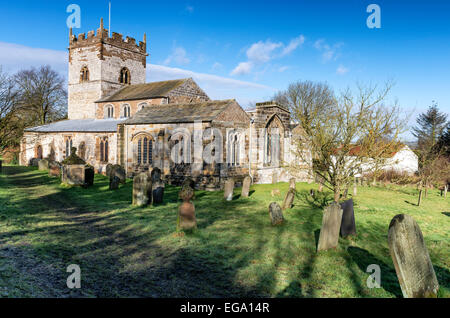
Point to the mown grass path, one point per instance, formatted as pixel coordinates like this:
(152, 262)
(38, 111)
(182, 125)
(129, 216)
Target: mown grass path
(125, 251)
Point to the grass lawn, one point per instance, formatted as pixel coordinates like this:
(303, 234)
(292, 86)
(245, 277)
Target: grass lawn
(124, 251)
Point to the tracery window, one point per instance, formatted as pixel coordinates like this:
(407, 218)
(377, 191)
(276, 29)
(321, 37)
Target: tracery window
(84, 74)
(125, 77)
(145, 150)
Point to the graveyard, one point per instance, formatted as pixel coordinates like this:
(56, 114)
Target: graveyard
(234, 250)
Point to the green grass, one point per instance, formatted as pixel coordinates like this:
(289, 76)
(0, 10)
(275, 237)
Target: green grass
(124, 251)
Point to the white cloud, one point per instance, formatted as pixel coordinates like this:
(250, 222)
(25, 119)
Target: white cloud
(242, 68)
(178, 56)
(341, 70)
(293, 45)
(217, 66)
(329, 52)
(283, 68)
(263, 52)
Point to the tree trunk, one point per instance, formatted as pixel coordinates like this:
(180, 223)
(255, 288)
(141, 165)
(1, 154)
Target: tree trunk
(337, 195)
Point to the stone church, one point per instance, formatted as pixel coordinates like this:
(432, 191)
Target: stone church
(114, 116)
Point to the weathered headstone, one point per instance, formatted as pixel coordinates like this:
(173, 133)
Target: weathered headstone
(89, 175)
(292, 183)
(246, 186)
(142, 189)
(158, 191)
(411, 259)
(276, 214)
(275, 192)
(54, 169)
(108, 169)
(186, 212)
(331, 224)
(274, 177)
(155, 174)
(34, 162)
(114, 183)
(228, 190)
(117, 171)
(289, 199)
(43, 164)
(348, 226)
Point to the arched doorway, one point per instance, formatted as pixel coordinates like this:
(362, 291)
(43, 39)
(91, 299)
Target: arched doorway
(38, 151)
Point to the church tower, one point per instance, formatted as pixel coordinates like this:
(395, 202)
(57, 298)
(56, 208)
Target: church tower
(99, 65)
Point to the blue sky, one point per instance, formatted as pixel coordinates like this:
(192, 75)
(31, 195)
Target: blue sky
(250, 49)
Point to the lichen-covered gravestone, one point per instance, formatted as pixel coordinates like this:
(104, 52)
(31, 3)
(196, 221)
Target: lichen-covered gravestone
(157, 186)
(142, 189)
(289, 199)
(276, 214)
(116, 171)
(331, 224)
(54, 169)
(348, 226)
(228, 191)
(246, 187)
(411, 259)
(186, 212)
(43, 164)
(292, 183)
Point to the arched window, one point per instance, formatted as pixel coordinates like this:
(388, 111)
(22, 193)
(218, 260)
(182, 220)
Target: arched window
(126, 111)
(104, 149)
(273, 142)
(84, 74)
(142, 106)
(68, 145)
(109, 111)
(125, 77)
(39, 152)
(145, 150)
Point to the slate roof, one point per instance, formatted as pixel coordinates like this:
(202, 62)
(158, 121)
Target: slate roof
(144, 91)
(79, 125)
(180, 113)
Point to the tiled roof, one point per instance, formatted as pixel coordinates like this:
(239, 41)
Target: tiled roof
(144, 91)
(180, 113)
(79, 125)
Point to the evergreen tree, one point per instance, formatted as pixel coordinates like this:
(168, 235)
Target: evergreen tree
(430, 128)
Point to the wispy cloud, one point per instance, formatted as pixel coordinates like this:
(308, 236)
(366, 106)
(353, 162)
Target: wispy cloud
(329, 52)
(264, 51)
(178, 57)
(341, 70)
(283, 68)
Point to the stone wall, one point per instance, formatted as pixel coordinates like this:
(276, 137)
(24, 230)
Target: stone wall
(188, 92)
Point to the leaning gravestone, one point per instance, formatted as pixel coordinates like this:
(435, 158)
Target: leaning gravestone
(228, 191)
(276, 214)
(412, 262)
(43, 164)
(292, 183)
(142, 189)
(114, 183)
(186, 212)
(246, 187)
(331, 223)
(158, 191)
(348, 226)
(289, 199)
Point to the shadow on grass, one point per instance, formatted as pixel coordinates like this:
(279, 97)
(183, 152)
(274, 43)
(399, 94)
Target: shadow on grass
(363, 259)
(414, 204)
(446, 213)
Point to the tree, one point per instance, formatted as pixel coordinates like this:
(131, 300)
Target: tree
(430, 127)
(42, 97)
(10, 125)
(337, 126)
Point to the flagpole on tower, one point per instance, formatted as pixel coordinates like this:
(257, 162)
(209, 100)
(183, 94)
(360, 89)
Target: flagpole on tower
(109, 20)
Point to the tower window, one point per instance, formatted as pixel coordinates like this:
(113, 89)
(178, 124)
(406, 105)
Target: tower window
(84, 74)
(125, 77)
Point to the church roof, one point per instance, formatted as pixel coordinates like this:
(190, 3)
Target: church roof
(180, 113)
(79, 125)
(144, 91)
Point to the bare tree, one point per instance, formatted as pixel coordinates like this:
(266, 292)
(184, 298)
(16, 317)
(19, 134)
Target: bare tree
(10, 125)
(336, 126)
(42, 96)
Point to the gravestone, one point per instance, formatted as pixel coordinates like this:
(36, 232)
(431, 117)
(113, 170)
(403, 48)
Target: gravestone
(116, 171)
(188, 181)
(292, 183)
(348, 226)
(158, 191)
(289, 199)
(108, 169)
(43, 164)
(228, 190)
(114, 183)
(156, 174)
(274, 177)
(89, 174)
(275, 192)
(276, 214)
(34, 162)
(411, 259)
(142, 189)
(54, 169)
(246, 186)
(331, 224)
(186, 212)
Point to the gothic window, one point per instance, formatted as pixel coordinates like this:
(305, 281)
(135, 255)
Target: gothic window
(145, 150)
(126, 111)
(68, 145)
(109, 111)
(84, 74)
(125, 77)
(274, 131)
(233, 149)
(104, 151)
